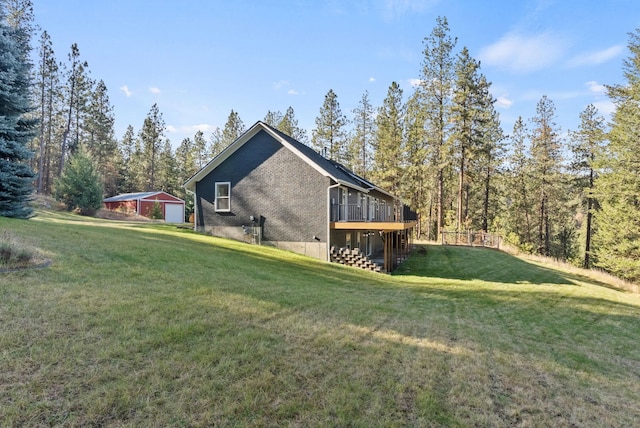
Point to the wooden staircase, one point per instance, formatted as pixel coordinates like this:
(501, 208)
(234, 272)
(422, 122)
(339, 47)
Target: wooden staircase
(354, 258)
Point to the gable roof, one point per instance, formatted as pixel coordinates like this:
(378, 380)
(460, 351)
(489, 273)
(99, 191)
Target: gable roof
(137, 196)
(324, 166)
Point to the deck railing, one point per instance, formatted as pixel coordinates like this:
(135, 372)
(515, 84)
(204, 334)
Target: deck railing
(380, 212)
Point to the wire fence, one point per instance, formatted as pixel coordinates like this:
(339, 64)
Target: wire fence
(472, 238)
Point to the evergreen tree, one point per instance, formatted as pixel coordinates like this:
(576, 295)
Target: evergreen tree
(587, 142)
(488, 165)
(469, 116)
(138, 177)
(200, 149)
(48, 82)
(167, 174)
(546, 159)
(101, 141)
(360, 148)
(618, 183)
(16, 129)
(185, 168)
(329, 137)
(417, 188)
(518, 189)
(232, 129)
(79, 185)
(186, 159)
(72, 104)
(129, 172)
(20, 19)
(289, 125)
(216, 143)
(151, 141)
(85, 89)
(387, 158)
(273, 118)
(436, 87)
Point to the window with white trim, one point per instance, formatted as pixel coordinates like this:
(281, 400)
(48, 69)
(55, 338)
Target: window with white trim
(223, 196)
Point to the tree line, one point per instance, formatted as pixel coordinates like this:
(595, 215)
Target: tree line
(440, 147)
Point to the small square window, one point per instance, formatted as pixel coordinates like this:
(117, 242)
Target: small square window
(223, 197)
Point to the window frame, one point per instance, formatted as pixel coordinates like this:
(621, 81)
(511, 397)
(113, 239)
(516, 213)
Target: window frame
(219, 184)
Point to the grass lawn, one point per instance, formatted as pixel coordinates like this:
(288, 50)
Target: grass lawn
(150, 325)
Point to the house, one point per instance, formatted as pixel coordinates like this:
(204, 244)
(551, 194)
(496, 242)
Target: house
(142, 204)
(268, 188)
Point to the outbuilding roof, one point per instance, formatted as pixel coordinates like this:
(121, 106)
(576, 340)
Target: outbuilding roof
(136, 196)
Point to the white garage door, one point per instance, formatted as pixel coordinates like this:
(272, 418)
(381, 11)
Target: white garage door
(173, 213)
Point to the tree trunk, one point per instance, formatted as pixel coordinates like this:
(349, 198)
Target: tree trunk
(460, 191)
(440, 211)
(485, 204)
(587, 247)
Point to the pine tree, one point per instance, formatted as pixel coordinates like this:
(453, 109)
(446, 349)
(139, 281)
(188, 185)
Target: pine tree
(232, 129)
(16, 129)
(101, 142)
(289, 125)
(72, 88)
(273, 118)
(387, 157)
(185, 168)
(618, 184)
(546, 156)
(151, 141)
(216, 144)
(79, 185)
(488, 165)
(48, 82)
(167, 174)
(469, 116)
(587, 143)
(436, 86)
(330, 136)
(138, 177)
(200, 149)
(128, 172)
(518, 186)
(360, 147)
(417, 188)
(85, 89)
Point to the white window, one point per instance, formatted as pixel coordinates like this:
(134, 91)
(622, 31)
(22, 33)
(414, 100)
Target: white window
(223, 197)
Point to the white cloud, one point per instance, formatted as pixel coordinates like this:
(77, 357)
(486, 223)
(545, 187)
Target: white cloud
(154, 90)
(126, 91)
(595, 58)
(596, 87)
(292, 92)
(415, 82)
(396, 8)
(524, 54)
(503, 102)
(204, 127)
(190, 129)
(280, 84)
(605, 107)
(372, 79)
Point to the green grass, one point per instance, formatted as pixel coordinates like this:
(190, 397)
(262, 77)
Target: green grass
(150, 325)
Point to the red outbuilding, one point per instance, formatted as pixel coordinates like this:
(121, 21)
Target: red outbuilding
(142, 204)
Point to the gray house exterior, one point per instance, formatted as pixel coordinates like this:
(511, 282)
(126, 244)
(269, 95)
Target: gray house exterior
(270, 189)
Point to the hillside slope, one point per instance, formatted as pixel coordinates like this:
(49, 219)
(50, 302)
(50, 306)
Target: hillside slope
(139, 324)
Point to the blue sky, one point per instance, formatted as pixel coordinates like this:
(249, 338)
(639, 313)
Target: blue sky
(199, 59)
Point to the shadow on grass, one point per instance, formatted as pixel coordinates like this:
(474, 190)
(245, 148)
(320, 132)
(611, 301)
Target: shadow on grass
(484, 264)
